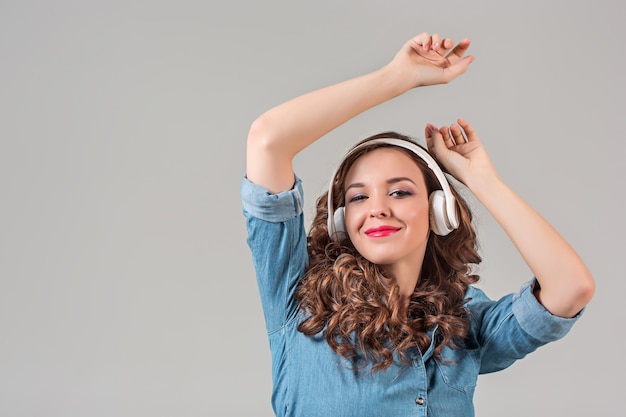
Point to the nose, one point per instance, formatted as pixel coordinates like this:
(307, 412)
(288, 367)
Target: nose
(379, 208)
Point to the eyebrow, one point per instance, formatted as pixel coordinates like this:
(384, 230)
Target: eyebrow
(389, 181)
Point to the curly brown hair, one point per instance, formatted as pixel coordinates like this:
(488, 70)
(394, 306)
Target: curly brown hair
(356, 303)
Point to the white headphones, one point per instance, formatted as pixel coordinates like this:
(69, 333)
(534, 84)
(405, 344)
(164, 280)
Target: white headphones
(442, 213)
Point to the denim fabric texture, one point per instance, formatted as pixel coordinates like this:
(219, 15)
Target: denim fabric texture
(310, 380)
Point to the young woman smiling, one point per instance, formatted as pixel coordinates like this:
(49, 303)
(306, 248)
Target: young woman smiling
(373, 313)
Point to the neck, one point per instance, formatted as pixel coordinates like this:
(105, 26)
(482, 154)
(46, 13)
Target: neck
(406, 276)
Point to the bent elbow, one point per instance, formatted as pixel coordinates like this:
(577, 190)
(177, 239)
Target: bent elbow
(262, 134)
(586, 289)
(568, 298)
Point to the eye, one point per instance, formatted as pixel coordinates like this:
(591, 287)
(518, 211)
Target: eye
(357, 197)
(400, 193)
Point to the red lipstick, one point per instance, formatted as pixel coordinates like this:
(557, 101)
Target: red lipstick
(381, 231)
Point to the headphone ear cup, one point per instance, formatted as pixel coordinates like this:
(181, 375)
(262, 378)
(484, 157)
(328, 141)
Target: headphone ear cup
(340, 223)
(439, 223)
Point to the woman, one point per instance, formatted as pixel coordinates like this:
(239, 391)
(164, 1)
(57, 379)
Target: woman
(374, 313)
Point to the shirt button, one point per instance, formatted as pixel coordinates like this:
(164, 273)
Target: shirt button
(419, 401)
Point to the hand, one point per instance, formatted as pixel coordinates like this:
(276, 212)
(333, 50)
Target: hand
(429, 60)
(460, 151)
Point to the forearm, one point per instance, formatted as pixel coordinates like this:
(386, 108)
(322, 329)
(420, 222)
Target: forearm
(297, 123)
(566, 283)
(283, 131)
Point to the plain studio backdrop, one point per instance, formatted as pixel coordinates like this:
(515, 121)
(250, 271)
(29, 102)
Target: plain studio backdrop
(126, 286)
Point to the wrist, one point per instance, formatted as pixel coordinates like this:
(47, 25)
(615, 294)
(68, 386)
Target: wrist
(398, 80)
(486, 185)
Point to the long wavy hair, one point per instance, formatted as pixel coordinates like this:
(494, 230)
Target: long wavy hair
(356, 303)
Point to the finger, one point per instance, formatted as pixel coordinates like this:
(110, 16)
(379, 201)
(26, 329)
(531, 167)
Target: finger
(436, 42)
(428, 133)
(439, 147)
(418, 42)
(457, 134)
(446, 45)
(424, 40)
(470, 133)
(448, 140)
(458, 51)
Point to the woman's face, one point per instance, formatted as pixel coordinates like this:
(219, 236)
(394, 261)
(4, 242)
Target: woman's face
(387, 208)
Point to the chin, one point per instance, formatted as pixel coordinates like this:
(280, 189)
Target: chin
(379, 259)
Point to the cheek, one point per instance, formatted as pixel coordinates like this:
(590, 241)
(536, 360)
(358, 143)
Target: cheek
(353, 218)
(417, 216)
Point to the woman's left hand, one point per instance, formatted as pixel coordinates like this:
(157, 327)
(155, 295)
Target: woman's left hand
(460, 151)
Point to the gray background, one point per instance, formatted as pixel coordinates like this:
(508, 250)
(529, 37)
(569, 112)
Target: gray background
(126, 287)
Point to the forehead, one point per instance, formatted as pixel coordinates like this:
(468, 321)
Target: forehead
(384, 163)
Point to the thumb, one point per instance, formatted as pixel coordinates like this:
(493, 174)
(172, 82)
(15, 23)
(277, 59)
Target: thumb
(428, 134)
(459, 67)
(435, 142)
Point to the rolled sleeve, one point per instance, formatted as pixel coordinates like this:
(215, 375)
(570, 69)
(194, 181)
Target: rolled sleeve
(275, 208)
(512, 327)
(535, 320)
(277, 240)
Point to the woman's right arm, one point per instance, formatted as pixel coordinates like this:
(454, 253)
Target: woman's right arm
(283, 131)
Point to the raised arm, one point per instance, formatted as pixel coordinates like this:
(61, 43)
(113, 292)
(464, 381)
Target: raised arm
(283, 131)
(565, 283)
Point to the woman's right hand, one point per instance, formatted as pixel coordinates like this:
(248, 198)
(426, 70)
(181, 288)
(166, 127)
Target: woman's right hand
(430, 59)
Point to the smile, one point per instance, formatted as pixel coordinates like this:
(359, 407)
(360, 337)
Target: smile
(381, 231)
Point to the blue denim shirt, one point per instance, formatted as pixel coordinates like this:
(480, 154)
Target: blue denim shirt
(310, 380)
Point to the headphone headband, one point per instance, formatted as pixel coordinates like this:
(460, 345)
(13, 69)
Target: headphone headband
(449, 200)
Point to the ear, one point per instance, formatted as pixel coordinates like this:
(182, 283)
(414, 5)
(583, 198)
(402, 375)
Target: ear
(439, 223)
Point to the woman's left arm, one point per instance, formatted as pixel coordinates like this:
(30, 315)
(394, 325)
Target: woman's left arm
(565, 283)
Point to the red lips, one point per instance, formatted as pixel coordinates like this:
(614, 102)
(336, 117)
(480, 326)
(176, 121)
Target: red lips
(381, 231)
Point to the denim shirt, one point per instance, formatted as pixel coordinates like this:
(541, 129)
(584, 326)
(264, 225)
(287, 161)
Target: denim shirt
(310, 379)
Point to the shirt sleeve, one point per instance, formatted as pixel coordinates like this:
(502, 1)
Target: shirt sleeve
(277, 241)
(512, 327)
